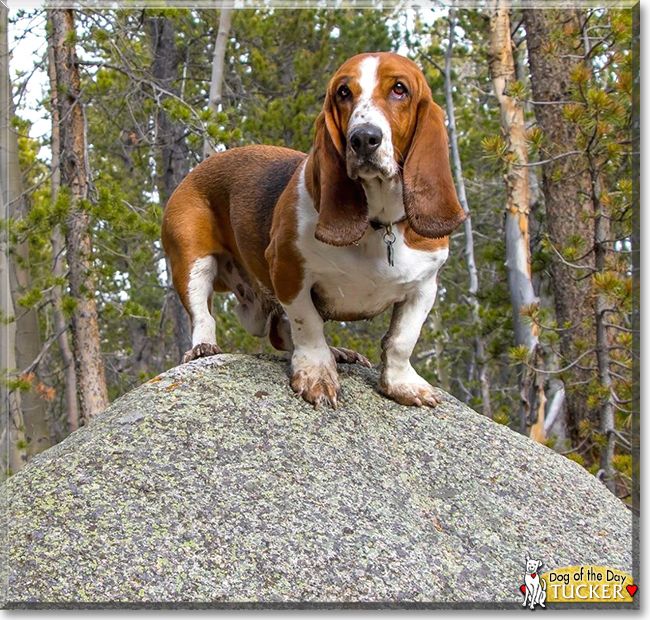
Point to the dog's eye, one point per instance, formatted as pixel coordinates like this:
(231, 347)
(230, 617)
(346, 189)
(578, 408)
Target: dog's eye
(344, 92)
(399, 91)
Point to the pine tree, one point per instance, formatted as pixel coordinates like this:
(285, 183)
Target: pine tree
(586, 145)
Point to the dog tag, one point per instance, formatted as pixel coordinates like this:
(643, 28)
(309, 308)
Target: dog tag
(389, 247)
(389, 239)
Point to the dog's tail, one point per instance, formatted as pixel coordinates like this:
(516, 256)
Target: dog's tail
(542, 581)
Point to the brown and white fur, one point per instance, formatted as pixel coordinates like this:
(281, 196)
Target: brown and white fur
(289, 234)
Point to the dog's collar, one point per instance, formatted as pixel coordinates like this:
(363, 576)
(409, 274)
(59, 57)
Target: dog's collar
(388, 237)
(377, 225)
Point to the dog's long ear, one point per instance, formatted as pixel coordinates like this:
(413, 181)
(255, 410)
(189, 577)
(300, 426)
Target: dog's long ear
(430, 199)
(340, 201)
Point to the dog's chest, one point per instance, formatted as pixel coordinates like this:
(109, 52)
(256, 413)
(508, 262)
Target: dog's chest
(357, 281)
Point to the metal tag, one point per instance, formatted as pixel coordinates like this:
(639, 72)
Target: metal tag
(389, 239)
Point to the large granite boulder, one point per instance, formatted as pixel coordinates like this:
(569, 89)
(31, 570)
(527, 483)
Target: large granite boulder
(212, 484)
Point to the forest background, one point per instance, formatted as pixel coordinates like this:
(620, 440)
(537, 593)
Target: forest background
(104, 111)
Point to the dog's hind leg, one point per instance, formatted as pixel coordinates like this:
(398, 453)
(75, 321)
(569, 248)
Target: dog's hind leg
(220, 272)
(192, 248)
(252, 308)
(280, 332)
(198, 301)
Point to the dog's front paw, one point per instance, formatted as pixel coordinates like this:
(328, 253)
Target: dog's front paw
(415, 391)
(316, 382)
(347, 356)
(201, 350)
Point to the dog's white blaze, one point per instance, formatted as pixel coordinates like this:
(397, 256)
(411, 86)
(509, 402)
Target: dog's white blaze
(368, 78)
(199, 291)
(366, 112)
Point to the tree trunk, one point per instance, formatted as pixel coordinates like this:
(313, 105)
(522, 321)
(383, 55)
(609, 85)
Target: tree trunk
(601, 239)
(442, 375)
(541, 283)
(175, 160)
(28, 337)
(566, 191)
(12, 445)
(607, 427)
(218, 62)
(521, 74)
(479, 348)
(89, 366)
(518, 260)
(141, 349)
(60, 323)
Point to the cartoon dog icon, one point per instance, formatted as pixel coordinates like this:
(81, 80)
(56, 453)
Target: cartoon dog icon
(535, 591)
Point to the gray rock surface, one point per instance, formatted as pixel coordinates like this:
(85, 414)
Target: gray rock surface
(214, 484)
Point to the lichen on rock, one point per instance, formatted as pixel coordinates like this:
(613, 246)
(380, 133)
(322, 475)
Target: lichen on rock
(214, 484)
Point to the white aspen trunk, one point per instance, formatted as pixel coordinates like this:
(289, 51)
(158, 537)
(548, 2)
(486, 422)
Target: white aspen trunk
(554, 385)
(467, 224)
(28, 337)
(89, 366)
(520, 283)
(607, 427)
(13, 446)
(554, 409)
(218, 63)
(67, 358)
(12, 434)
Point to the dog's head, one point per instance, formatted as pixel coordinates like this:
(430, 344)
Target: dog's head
(379, 121)
(532, 566)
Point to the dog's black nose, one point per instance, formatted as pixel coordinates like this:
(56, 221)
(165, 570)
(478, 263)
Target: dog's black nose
(365, 139)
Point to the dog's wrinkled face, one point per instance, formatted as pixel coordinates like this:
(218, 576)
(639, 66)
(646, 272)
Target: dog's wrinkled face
(379, 121)
(375, 98)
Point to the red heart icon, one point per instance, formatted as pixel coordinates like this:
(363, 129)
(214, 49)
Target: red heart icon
(523, 589)
(632, 590)
(534, 575)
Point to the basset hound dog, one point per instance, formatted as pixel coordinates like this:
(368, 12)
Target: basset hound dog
(358, 225)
